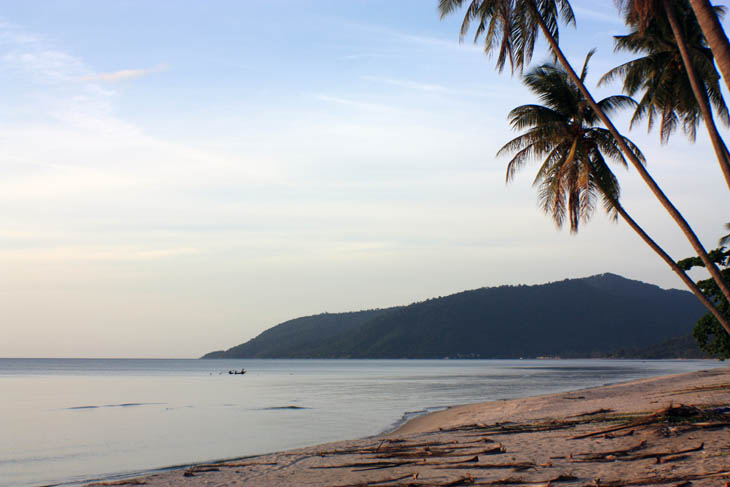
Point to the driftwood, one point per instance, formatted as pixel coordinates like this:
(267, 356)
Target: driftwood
(610, 436)
(367, 465)
(658, 479)
(641, 456)
(522, 428)
(117, 482)
(715, 387)
(674, 458)
(659, 455)
(668, 414)
(592, 413)
(588, 456)
(192, 471)
(412, 476)
(464, 480)
(615, 428)
(428, 452)
(233, 465)
(469, 480)
(494, 466)
(400, 445)
(519, 481)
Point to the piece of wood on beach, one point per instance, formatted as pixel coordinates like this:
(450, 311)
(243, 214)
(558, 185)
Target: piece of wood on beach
(613, 429)
(389, 445)
(370, 483)
(660, 480)
(589, 456)
(533, 483)
(432, 453)
(357, 466)
(610, 436)
(429, 452)
(516, 429)
(659, 455)
(694, 390)
(117, 482)
(592, 413)
(641, 456)
(673, 458)
(708, 425)
(669, 413)
(235, 465)
(194, 470)
(464, 480)
(490, 466)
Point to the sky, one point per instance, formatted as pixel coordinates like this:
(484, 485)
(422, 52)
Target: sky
(178, 176)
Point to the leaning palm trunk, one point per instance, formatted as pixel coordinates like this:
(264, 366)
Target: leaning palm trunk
(700, 93)
(671, 209)
(677, 270)
(715, 35)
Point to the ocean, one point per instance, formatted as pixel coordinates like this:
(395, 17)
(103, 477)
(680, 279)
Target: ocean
(66, 421)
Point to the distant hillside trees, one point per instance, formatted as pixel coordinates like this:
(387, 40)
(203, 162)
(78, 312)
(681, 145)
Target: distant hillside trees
(589, 317)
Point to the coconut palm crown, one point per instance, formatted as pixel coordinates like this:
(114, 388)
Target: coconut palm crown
(661, 75)
(563, 134)
(510, 26)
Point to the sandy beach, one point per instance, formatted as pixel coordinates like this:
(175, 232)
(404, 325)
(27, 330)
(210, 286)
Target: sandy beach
(670, 430)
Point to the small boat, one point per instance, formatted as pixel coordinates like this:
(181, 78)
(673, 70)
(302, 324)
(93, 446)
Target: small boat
(235, 372)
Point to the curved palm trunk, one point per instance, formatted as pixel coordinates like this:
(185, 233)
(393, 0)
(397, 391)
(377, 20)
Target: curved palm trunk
(671, 209)
(677, 270)
(700, 93)
(715, 36)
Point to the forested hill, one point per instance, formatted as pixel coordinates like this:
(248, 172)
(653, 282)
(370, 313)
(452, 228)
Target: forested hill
(592, 316)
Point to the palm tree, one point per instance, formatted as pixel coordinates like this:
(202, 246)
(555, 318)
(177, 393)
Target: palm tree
(726, 239)
(513, 24)
(574, 174)
(564, 131)
(707, 17)
(687, 34)
(660, 74)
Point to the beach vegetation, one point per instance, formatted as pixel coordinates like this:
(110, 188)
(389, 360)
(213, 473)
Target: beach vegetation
(708, 331)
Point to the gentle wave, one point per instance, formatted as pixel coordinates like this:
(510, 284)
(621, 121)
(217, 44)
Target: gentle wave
(122, 405)
(278, 408)
(409, 415)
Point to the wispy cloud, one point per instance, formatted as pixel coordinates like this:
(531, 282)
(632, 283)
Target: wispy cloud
(358, 57)
(87, 253)
(363, 105)
(431, 42)
(601, 15)
(427, 87)
(125, 74)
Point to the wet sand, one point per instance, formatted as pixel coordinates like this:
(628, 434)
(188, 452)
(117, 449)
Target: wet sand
(671, 430)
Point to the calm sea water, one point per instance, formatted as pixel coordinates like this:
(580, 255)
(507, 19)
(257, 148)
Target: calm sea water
(70, 420)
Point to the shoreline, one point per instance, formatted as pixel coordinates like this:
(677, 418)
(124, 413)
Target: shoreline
(424, 451)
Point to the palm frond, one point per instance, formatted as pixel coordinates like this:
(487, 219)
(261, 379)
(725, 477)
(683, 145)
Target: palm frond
(726, 239)
(584, 70)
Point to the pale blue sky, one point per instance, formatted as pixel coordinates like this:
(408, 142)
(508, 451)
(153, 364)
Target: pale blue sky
(179, 176)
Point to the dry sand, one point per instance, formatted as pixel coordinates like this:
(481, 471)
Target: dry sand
(639, 435)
